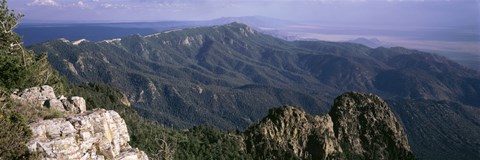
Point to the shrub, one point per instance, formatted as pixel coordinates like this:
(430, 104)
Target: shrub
(14, 135)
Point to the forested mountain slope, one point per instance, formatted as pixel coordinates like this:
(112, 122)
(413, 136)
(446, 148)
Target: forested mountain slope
(229, 76)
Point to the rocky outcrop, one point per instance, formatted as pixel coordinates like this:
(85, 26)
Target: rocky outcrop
(96, 134)
(45, 97)
(359, 126)
(293, 133)
(367, 129)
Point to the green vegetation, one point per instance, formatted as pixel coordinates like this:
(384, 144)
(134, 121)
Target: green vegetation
(211, 64)
(158, 141)
(144, 134)
(31, 113)
(21, 68)
(14, 135)
(205, 142)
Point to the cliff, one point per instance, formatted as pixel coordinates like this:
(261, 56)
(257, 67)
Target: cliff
(291, 132)
(81, 134)
(367, 129)
(359, 126)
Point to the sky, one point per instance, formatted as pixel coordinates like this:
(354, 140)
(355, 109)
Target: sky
(351, 12)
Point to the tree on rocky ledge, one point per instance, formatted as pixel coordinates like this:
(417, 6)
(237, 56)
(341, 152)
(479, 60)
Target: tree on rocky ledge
(11, 42)
(19, 67)
(12, 66)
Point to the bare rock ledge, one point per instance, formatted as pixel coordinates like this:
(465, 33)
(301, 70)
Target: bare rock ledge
(95, 134)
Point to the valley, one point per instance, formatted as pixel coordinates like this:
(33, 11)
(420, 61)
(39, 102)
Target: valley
(230, 75)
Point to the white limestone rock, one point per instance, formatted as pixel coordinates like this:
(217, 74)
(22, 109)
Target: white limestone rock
(45, 97)
(85, 135)
(97, 134)
(35, 95)
(55, 104)
(79, 103)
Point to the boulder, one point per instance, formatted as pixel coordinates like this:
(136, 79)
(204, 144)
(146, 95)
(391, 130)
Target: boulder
(34, 95)
(55, 104)
(79, 103)
(45, 97)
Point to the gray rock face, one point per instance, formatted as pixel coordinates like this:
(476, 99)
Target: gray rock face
(45, 97)
(368, 129)
(35, 95)
(294, 133)
(97, 134)
(74, 104)
(359, 126)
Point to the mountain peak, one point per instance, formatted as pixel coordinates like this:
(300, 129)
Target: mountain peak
(243, 27)
(361, 120)
(290, 132)
(284, 111)
(77, 42)
(236, 24)
(359, 126)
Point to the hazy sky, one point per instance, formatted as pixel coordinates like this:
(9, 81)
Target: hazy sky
(355, 12)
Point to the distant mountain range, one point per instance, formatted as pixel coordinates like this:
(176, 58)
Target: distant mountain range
(372, 42)
(36, 32)
(230, 75)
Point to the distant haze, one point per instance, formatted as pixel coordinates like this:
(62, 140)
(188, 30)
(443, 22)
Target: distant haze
(462, 13)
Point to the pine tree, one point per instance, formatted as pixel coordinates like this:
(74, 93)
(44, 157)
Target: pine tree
(12, 57)
(19, 67)
(11, 43)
